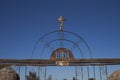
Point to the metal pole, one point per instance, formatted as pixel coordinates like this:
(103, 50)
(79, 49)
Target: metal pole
(38, 72)
(106, 72)
(25, 70)
(45, 74)
(82, 72)
(94, 72)
(88, 71)
(76, 72)
(19, 70)
(100, 73)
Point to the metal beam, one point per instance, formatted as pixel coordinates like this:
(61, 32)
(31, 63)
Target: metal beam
(48, 62)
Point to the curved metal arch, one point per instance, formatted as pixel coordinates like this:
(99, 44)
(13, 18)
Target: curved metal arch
(40, 39)
(66, 32)
(65, 40)
(82, 40)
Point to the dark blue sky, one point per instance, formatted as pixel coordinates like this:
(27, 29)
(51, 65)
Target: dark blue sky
(22, 22)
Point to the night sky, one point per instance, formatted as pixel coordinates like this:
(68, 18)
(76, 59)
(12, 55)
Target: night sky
(22, 22)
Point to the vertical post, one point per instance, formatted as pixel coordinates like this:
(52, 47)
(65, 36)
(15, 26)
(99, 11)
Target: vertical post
(38, 72)
(88, 71)
(25, 72)
(75, 72)
(82, 72)
(94, 72)
(19, 70)
(106, 72)
(45, 74)
(100, 73)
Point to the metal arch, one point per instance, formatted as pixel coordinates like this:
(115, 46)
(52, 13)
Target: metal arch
(40, 39)
(65, 40)
(82, 40)
(66, 32)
